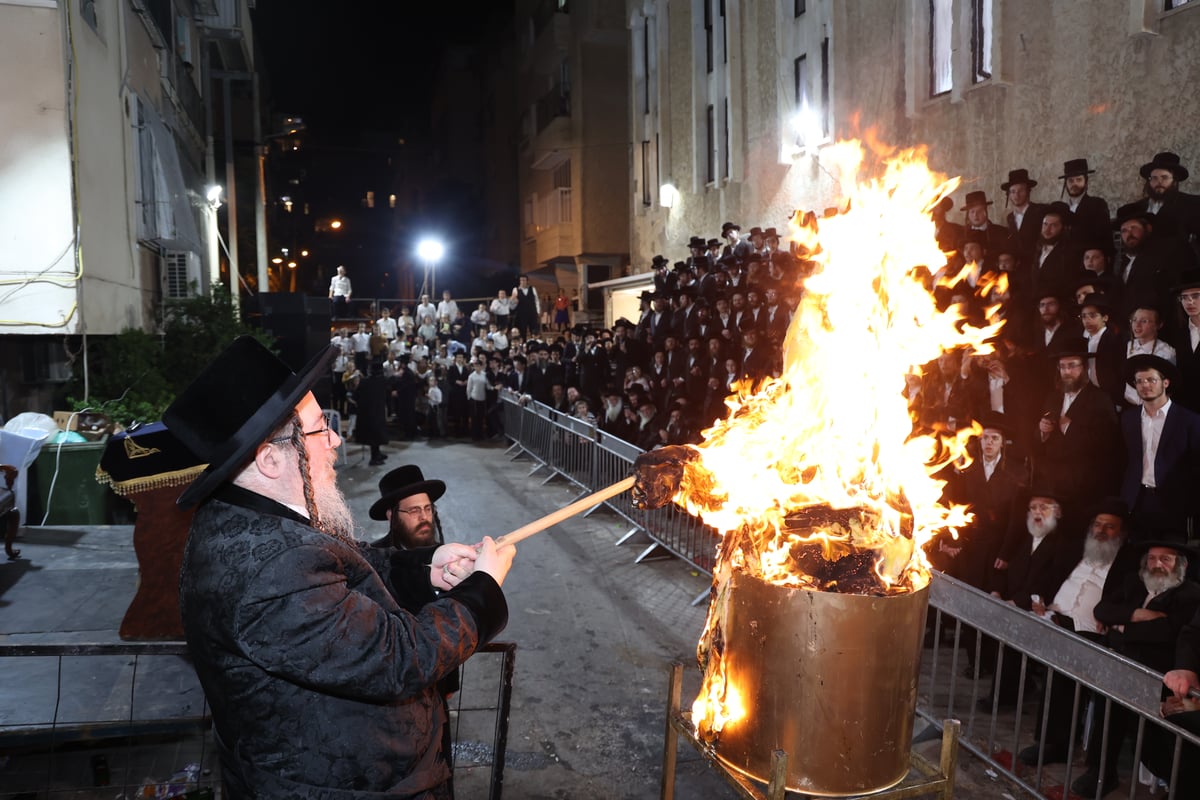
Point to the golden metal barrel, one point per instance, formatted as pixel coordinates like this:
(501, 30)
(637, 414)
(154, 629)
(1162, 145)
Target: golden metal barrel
(830, 679)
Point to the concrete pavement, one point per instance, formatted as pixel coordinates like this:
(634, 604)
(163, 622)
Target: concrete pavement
(595, 636)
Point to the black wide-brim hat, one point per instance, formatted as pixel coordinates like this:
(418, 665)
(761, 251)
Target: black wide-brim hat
(1016, 176)
(975, 199)
(400, 483)
(233, 405)
(1076, 346)
(1076, 166)
(1130, 212)
(1098, 301)
(1190, 279)
(1167, 161)
(1145, 361)
(1168, 540)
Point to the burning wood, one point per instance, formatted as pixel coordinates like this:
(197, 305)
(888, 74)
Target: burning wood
(824, 494)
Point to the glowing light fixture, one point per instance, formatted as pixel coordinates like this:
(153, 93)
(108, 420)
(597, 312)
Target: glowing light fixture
(668, 195)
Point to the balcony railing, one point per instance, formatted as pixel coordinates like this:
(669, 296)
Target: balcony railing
(553, 104)
(179, 77)
(546, 212)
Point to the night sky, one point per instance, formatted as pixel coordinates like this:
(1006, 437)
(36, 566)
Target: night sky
(349, 66)
(358, 73)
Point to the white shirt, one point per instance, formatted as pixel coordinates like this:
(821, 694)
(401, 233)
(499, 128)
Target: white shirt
(1048, 333)
(1152, 427)
(426, 310)
(1093, 340)
(989, 467)
(387, 327)
(1068, 399)
(1079, 594)
(362, 342)
(996, 385)
(339, 286)
(500, 307)
(447, 308)
(1193, 335)
(477, 386)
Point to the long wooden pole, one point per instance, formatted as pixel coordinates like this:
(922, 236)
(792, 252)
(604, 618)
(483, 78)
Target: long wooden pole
(582, 504)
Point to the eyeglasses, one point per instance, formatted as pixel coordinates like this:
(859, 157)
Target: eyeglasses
(417, 511)
(1163, 559)
(1090, 315)
(1043, 506)
(1190, 297)
(1147, 381)
(328, 431)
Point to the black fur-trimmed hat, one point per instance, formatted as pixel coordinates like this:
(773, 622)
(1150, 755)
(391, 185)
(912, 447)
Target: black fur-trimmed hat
(233, 405)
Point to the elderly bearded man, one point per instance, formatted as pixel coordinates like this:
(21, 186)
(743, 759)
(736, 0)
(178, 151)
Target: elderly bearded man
(1145, 615)
(321, 684)
(1073, 607)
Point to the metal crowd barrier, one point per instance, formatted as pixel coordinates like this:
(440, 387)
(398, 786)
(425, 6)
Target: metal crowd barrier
(130, 720)
(967, 626)
(591, 459)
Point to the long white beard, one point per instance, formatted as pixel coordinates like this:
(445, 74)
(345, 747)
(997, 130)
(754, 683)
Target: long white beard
(1100, 553)
(335, 517)
(1156, 584)
(1040, 530)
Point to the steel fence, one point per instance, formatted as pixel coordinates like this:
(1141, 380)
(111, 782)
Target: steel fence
(977, 646)
(577, 450)
(129, 720)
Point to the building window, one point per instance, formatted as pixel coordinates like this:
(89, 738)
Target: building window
(562, 175)
(369, 200)
(825, 107)
(711, 144)
(799, 7)
(646, 68)
(724, 35)
(647, 198)
(800, 79)
(391, 201)
(940, 29)
(708, 35)
(1171, 4)
(981, 39)
(725, 155)
(87, 10)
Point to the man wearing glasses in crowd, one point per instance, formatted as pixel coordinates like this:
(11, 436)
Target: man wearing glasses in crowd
(319, 655)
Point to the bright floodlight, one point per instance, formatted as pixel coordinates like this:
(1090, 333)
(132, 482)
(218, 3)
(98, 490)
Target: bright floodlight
(214, 196)
(430, 250)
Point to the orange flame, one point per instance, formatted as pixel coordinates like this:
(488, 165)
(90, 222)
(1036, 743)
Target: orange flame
(835, 430)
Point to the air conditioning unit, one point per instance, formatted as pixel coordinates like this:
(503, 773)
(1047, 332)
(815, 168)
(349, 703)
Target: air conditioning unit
(180, 274)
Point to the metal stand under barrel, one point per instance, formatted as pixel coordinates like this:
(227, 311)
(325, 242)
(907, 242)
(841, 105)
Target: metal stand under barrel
(933, 779)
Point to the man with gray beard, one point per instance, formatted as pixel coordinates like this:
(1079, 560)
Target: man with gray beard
(1144, 617)
(1034, 562)
(1072, 607)
(321, 684)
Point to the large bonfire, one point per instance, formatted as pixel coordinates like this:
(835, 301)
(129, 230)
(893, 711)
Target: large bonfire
(818, 479)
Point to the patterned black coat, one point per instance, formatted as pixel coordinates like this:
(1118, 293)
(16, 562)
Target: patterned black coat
(321, 686)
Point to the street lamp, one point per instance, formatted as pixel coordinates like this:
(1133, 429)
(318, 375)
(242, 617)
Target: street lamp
(430, 251)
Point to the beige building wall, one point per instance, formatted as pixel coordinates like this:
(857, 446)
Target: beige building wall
(1106, 80)
(566, 230)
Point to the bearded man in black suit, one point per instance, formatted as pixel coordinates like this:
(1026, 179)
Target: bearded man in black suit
(1075, 444)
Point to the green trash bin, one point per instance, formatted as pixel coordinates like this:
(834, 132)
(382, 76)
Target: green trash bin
(78, 498)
